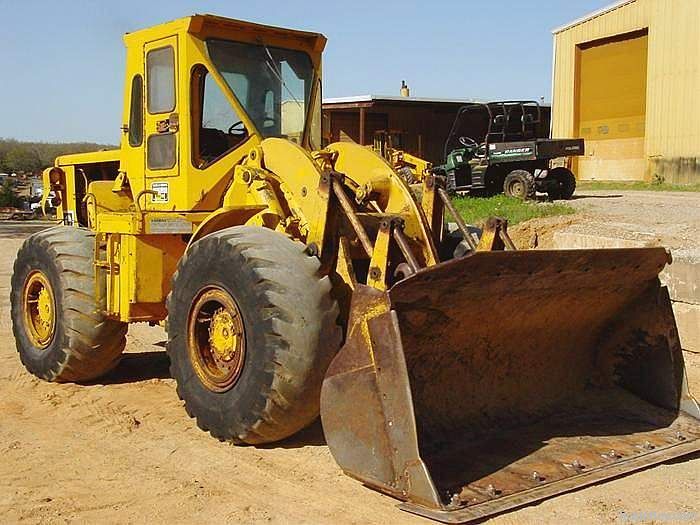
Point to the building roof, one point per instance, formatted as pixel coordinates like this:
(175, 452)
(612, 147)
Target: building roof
(359, 99)
(396, 98)
(594, 14)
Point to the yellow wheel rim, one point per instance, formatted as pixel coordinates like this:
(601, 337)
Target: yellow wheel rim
(39, 309)
(216, 339)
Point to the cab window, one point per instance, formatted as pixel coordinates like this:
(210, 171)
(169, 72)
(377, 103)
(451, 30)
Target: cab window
(216, 126)
(272, 84)
(160, 70)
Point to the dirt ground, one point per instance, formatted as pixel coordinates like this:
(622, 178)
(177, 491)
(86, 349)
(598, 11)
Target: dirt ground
(670, 219)
(122, 450)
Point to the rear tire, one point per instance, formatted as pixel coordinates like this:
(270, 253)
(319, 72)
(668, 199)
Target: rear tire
(289, 334)
(519, 184)
(563, 184)
(74, 341)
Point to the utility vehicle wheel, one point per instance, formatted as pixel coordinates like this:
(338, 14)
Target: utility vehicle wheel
(519, 184)
(251, 331)
(61, 331)
(565, 183)
(454, 246)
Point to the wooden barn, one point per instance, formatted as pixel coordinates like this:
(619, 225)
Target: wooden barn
(422, 123)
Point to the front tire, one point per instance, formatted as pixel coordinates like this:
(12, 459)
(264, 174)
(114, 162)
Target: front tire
(453, 245)
(251, 331)
(61, 331)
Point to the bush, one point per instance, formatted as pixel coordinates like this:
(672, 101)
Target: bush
(8, 196)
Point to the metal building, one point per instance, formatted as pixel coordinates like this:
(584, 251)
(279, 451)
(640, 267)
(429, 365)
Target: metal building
(626, 79)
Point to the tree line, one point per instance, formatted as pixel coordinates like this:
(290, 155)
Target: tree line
(32, 157)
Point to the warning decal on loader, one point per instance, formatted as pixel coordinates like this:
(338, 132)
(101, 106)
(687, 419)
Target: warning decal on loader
(161, 189)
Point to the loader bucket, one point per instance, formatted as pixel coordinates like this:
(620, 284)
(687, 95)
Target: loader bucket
(490, 382)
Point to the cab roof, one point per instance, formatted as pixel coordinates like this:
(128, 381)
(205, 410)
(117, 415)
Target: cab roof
(203, 25)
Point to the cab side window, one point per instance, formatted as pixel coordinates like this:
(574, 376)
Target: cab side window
(216, 126)
(136, 112)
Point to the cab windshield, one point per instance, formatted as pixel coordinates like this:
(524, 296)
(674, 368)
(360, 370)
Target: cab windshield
(273, 85)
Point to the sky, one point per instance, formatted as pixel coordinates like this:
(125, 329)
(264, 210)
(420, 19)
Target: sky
(62, 61)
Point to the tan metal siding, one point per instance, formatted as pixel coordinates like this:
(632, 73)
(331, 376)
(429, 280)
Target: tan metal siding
(673, 105)
(672, 143)
(628, 18)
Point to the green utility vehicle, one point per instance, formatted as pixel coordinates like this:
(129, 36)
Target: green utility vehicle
(500, 147)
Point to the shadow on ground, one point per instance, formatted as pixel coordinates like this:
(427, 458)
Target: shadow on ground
(613, 196)
(311, 436)
(21, 229)
(134, 368)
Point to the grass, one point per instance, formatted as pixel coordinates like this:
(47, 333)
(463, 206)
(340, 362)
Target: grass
(476, 210)
(636, 186)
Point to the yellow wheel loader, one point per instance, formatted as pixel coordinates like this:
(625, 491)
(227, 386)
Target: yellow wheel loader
(389, 144)
(293, 279)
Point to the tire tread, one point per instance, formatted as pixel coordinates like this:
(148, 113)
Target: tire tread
(291, 292)
(527, 179)
(91, 343)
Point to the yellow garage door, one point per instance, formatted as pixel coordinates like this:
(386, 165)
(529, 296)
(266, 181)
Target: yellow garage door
(611, 107)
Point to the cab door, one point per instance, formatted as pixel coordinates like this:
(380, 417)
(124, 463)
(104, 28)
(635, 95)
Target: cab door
(162, 123)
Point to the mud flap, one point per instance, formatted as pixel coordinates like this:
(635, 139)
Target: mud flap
(490, 382)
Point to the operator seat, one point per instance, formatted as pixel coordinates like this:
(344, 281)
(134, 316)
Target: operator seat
(212, 143)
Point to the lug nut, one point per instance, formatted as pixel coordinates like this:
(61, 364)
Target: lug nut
(612, 455)
(577, 465)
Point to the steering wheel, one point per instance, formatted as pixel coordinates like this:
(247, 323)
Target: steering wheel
(469, 143)
(237, 129)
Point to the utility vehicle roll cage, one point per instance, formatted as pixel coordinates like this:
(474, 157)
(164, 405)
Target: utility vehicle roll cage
(508, 121)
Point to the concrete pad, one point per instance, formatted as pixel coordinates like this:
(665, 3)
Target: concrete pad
(683, 276)
(688, 322)
(575, 240)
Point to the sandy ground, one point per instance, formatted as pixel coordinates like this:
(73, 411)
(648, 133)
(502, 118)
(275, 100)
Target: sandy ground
(122, 450)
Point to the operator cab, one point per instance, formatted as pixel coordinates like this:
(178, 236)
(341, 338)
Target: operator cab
(204, 92)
